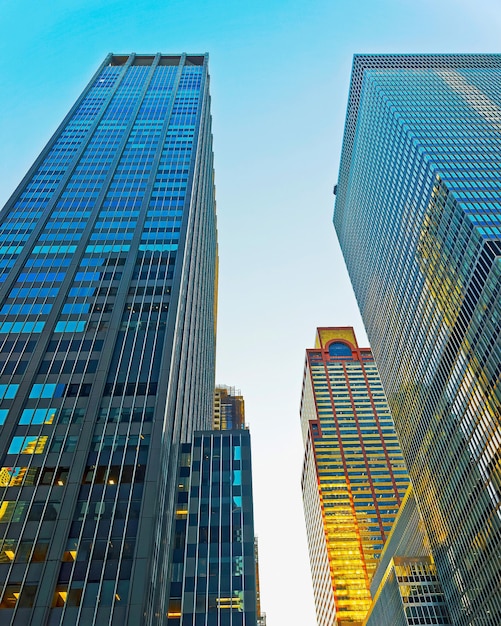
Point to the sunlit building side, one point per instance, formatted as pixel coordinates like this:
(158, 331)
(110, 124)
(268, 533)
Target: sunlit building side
(418, 216)
(229, 408)
(406, 590)
(354, 477)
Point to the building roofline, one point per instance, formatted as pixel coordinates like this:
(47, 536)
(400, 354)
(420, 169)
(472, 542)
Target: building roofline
(164, 58)
(399, 61)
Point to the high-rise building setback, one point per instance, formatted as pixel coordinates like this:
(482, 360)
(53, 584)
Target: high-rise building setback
(107, 336)
(418, 215)
(354, 476)
(405, 588)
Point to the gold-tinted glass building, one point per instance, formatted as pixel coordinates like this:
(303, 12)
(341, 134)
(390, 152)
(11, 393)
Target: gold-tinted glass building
(229, 408)
(354, 476)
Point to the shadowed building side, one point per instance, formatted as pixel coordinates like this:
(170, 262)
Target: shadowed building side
(214, 571)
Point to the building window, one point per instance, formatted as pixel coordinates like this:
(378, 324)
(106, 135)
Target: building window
(337, 348)
(46, 390)
(27, 445)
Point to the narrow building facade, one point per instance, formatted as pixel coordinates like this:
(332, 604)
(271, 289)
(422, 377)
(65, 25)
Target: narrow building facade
(215, 574)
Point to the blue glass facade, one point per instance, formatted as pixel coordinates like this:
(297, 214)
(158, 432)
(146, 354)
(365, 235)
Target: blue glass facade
(418, 215)
(107, 337)
(214, 578)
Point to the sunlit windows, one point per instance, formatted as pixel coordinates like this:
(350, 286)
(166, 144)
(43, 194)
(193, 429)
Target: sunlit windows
(37, 416)
(7, 392)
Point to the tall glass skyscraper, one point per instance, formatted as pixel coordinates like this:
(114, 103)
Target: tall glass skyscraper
(418, 215)
(107, 335)
(354, 476)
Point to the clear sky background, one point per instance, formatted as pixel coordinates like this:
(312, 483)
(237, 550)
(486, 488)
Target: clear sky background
(280, 73)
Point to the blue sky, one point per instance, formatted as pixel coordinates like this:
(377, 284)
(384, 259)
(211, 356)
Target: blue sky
(280, 73)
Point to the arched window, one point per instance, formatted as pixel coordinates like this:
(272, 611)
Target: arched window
(337, 348)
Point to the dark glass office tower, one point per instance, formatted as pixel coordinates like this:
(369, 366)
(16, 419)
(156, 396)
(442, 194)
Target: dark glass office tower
(107, 336)
(214, 577)
(418, 215)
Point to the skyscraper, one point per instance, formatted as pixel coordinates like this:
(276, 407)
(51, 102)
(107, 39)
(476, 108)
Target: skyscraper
(418, 218)
(107, 335)
(354, 476)
(215, 580)
(229, 408)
